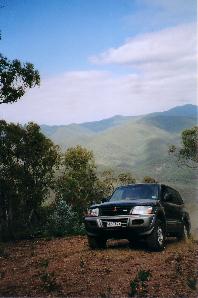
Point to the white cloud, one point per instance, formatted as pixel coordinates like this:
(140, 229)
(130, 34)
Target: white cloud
(166, 46)
(163, 75)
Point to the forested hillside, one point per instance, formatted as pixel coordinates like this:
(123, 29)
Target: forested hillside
(136, 144)
(132, 143)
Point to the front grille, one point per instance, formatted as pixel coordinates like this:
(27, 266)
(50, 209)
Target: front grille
(123, 221)
(115, 210)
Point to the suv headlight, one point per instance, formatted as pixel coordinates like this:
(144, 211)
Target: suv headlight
(93, 212)
(142, 210)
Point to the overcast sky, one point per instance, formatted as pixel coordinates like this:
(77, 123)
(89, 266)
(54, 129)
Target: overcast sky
(101, 58)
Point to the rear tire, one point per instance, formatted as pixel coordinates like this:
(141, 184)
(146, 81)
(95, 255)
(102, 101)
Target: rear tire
(96, 242)
(156, 240)
(185, 233)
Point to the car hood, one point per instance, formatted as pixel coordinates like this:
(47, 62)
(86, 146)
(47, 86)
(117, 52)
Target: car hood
(143, 202)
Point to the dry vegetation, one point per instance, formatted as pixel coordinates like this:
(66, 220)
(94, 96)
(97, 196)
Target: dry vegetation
(66, 267)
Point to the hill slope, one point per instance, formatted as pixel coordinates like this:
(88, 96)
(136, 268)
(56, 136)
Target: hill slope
(125, 142)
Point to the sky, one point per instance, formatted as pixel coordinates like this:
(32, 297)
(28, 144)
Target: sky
(100, 58)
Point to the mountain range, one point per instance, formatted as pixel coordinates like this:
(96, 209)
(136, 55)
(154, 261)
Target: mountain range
(132, 143)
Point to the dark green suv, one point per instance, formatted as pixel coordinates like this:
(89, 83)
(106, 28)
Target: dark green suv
(138, 211)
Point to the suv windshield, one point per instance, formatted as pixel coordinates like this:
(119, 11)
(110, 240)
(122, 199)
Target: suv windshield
(136, 192)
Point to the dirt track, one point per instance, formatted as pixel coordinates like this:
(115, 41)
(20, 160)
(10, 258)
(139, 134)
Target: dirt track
(66, 267)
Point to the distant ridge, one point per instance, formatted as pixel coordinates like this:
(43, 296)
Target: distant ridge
(101, 125)
(133, 143)
(188, 110)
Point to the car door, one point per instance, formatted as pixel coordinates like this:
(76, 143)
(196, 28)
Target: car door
(179, 208)
(170, 208)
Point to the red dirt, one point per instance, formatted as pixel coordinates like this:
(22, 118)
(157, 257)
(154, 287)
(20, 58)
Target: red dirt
(67, 267)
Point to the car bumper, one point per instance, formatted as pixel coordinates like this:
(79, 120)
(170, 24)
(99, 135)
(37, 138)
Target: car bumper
(131, 225)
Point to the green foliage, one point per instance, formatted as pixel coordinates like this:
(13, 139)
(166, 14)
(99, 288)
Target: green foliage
(15, 78)
(148, 179)
(108, 181)
(190, 144)
(82, 263)
(187, 154)
(44, 263)
(144, 276)
(192, 283)
(49, 281)
(78, 158)
(138, 286)
(126, 178)
(47, 278)
(78, 185)
(27, 167)
(63, 221)
(133, 288)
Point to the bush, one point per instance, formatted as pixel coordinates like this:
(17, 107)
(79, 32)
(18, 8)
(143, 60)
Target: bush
(63, 221)
(192, 283)
(49, 281)
(138, 286)
(148, 179)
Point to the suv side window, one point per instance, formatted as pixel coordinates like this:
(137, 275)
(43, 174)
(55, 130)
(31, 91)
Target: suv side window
(175, 196)
(166, 191)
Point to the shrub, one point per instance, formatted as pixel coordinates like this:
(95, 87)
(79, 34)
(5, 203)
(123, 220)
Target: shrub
(63, 221)
(138, 286)
(49, 281)
(148, 179)
(44, 263)
(192, 283)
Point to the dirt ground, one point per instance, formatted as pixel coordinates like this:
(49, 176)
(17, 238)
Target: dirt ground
(68, 268)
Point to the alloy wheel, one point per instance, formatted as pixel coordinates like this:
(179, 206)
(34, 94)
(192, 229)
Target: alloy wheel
(160, 236)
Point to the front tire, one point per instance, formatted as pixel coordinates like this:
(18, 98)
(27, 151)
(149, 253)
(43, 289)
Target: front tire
(156, 240)
(96, 242)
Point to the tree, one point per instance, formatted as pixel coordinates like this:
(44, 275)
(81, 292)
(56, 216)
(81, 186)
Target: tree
(126, 178)
(108, 181)
(148, 179)
(15, 79)
(78, 185)
(187, 154)
(27, 166)
(62, 220)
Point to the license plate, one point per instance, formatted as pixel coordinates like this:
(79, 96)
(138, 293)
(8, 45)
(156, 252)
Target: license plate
(111, 224)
